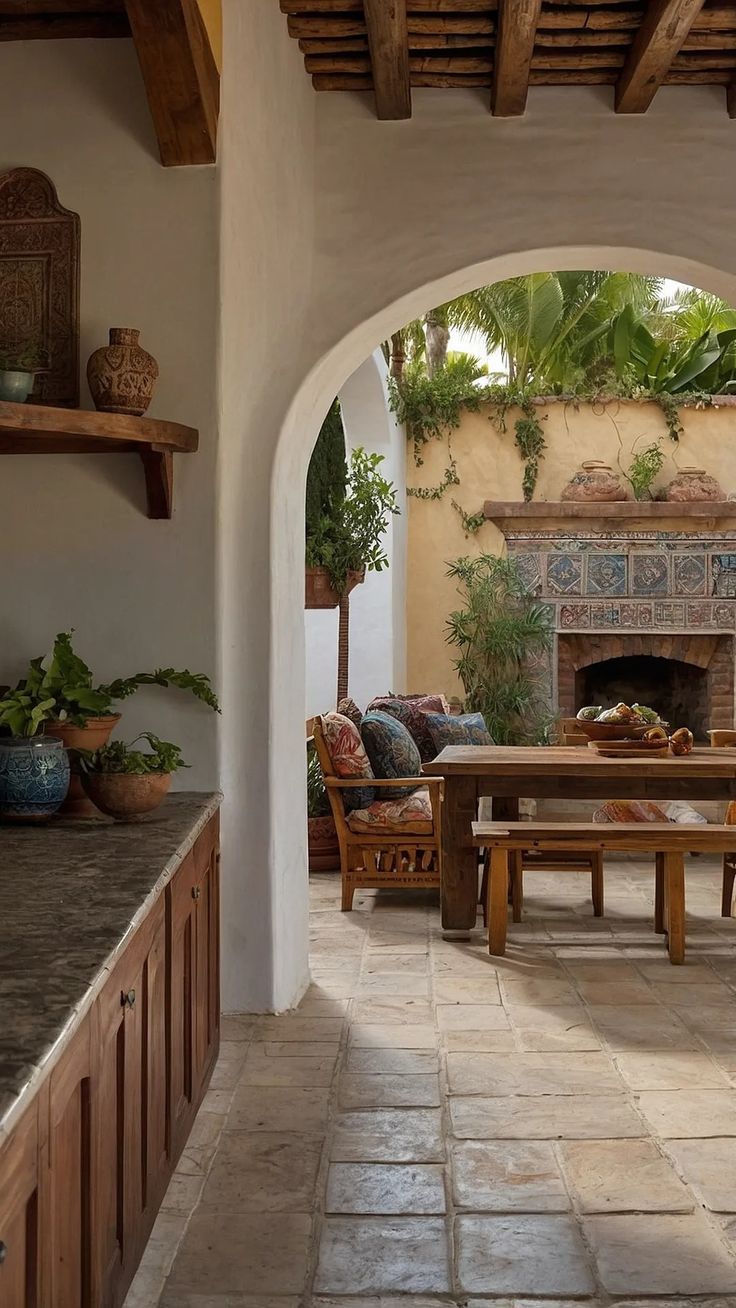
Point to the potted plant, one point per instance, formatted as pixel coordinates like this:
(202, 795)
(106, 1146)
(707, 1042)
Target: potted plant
(34, 767)
(82, 715)
(18, 373)
(324, 850)
(125, 782)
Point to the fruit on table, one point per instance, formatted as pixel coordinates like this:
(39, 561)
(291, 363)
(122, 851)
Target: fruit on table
(681, 741)
(648, 714)
(622, 715)
(656, 733)
(589, 713)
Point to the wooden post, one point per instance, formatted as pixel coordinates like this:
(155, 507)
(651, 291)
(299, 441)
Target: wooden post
(343, 647)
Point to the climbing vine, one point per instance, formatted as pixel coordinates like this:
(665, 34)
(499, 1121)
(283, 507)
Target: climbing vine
(472, 522)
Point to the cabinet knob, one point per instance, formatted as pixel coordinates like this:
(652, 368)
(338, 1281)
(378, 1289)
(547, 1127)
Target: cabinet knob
(127, 999)
(196, 892)
(3, 1251)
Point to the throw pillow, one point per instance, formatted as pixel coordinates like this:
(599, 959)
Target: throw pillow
(349, 709)
(349, 758)
(414, 719)
(466, 729)
(392, 752)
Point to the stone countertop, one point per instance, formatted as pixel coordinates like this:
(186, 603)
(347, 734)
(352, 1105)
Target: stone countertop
(70, 894)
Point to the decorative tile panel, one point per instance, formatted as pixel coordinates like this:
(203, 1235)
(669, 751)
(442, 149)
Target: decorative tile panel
(723, 571)
(607, 574)
(649, 574)
(689, 573)
(605, 615)
(564, 574)
(529, 569)
(669, 615)
(574, 615)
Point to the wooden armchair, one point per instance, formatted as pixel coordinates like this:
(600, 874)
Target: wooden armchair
(377, 853)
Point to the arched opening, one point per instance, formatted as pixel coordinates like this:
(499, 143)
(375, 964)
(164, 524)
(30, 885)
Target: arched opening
(679, 689)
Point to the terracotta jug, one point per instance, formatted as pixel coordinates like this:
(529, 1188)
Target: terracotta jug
(595, 481)
(693, 484)
(122, 375)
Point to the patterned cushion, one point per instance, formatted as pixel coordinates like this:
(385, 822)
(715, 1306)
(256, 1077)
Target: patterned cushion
(467, 729)
(349, 709)
(349, 758)
(411, 815)
(414, 718)
(391, 750)
(630, 810)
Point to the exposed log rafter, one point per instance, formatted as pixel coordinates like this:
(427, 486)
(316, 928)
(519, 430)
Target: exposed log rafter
(388, 44)
(664, 28)
(517, 29)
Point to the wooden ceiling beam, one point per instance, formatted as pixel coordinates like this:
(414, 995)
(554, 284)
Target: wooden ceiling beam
(31, 8)
(181, 78)
(517, 27)
(54, 27)
(664, 27)
(388, 43)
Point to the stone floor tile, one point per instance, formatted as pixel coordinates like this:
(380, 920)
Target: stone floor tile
(393, 1035)
(378, 984)
(182, 1192)
(660, 1255)
(366, 1090)
(623, 1176)
(663, 1071)
(145, 1289)
(471, 1017)
(521, 1254)
(260, 1070)
(359, 1255)
(689, 973)
(297, 1049)
(649, 1026)
(532, 1074)
(519, 992)
(483, 1041)
(466, 990)
(506, 1176)
(559, 1027)
(263, 1172)
(279, 1108)
(393, 1135)
(617, 992)
(546, 1117)
(395, 964)
(224, 1253)
(378, 1061)
(713, 994)
(709, 1168)
(680, 1114)
(290, 1026)
(391, 1009)
(236, 1026)
(385, 1188)
(184, 1299)
(613, 971)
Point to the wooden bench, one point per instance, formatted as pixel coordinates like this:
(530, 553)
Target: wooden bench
(668, 841)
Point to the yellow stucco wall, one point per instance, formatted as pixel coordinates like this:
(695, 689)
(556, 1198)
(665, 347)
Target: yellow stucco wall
(490, 468)
(211, 11)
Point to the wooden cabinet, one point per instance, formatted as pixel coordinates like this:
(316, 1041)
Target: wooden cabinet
(83, 1173)
(19, 1215)
(193, 928)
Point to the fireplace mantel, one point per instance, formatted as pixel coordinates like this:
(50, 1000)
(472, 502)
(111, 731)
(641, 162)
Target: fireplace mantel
(512, 513)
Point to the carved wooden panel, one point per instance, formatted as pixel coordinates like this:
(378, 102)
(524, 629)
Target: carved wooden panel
(39, 282)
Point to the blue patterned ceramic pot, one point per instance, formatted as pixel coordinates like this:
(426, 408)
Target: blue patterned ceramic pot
(34, 778)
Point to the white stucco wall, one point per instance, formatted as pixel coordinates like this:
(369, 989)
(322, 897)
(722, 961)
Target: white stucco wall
(378, 606)
(77, 548)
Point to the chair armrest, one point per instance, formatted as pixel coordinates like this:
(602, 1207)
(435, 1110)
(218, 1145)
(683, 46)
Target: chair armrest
(353, 783)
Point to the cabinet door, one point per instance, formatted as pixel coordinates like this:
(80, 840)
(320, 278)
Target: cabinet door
(66, 1177)
(131, 1161)
(19, 1207)
(194, 908)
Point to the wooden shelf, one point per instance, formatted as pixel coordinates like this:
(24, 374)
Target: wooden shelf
(506, 512)
(38, 429)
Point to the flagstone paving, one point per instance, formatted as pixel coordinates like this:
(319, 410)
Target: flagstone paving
(436, 1127)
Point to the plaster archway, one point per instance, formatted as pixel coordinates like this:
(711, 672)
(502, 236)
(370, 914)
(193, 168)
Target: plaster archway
(283, 961)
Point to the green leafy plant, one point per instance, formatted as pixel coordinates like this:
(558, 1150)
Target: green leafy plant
(60, 686)
(318, 805)
(349, 537)
(430, 406)
(707, 363)
(503, 634)
(117, 757)
(644, 467)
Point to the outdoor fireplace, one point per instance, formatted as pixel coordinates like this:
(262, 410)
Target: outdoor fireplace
(678, 690)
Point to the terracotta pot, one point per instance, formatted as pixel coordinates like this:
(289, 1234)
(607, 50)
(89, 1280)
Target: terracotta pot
(324, 850)
(122, 375)
(319, 591)
(595, 482)
(95, 733)
(126, 796)
(691, 485)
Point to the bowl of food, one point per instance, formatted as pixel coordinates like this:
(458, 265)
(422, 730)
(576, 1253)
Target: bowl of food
(623, 722)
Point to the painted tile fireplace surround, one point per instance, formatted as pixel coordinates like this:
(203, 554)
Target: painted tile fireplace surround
(636, 594)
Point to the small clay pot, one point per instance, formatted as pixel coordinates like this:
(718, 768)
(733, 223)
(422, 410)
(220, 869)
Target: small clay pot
(693, 485)
(122, 375)
(319, 592)
(324, 849)
(95, 733)
(126, 796)
(595, 482)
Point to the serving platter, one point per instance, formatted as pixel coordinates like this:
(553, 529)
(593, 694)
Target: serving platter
(630, 748)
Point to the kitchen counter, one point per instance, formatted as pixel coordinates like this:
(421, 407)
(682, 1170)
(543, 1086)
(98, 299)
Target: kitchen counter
(71, 893)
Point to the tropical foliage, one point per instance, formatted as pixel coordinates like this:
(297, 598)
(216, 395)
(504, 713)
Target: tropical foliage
(677, 365)
(502, 634)
(348, 535)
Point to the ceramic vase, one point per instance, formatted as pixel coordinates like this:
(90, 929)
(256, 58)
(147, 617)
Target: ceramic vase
(596, 482)
(16, 385)
(34, 778)
(122, 375)
(692, 485)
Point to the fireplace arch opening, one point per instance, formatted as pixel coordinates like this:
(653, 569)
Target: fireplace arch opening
(677, 690)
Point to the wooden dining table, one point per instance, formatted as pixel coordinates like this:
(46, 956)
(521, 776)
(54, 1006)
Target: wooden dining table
(510, 773)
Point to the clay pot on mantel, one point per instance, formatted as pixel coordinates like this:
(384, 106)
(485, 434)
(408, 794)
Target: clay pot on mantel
(122, 375)
(692, 485)
(596, 482)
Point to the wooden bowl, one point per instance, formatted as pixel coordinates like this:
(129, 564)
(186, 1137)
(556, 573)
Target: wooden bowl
(613, 730)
